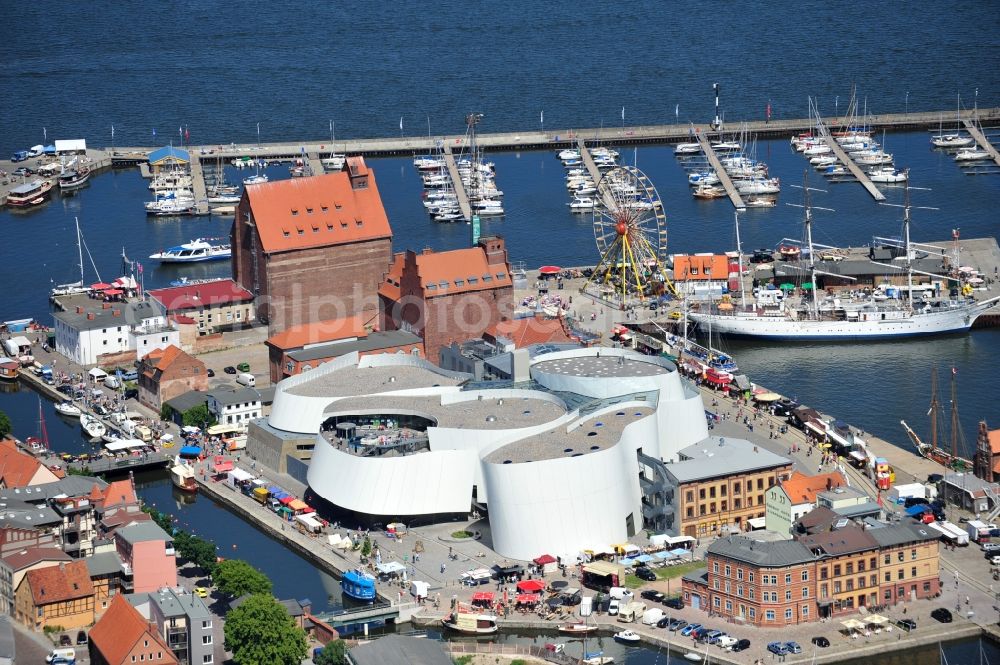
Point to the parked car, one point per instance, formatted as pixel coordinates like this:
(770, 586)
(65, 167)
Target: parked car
(741, 645)
(201, 592)
(65, 640)
(821, 642)
(941, 614)
(130, 375)
(793, 647)
(131, 393)
(907, 624)
(211, 372)
(777, 648)
(22, 171)
(243, 367)
(644, 573)
(613, 607)
(81, 637)
(653, 594)
(990, 547)
(676, 624)
(676, 602)
(229, 369)
(710, 636)
(690, 628)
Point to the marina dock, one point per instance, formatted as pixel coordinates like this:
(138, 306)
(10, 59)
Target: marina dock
(458, 184)
(588, 161)
(970, 126)
(315, 164)
(724, 179)
(855, 170)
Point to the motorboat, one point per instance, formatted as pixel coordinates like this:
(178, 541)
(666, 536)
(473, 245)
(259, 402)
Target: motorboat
(790, 252)
(707, 192)
(577, 628)
(758, 186)
(425, 163)
(182, 476)
(93, 426)
(68, 409)
(694, 657)
(581, 204)
(569, 154)
(73, 179)
(165, 207)
(224, 199)
(334, 162)
(872, 157)
(257, 179)
(195, 251)
(823, 160)
(29, 194)
(687, 148)
(726, 145)
(973, 155)
(471, 623)
(359, 585)
(703, 178)
(888, 174)
(597, 658)
(760, 202)
(111, 435)
(818, 149)
(627, 637)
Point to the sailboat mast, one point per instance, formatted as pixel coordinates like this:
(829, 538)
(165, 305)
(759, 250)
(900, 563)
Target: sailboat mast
(739, 258)
(954, 414)
(935, 407)
(41, 425)
(906, 234)
(79, 248)
(809, 242)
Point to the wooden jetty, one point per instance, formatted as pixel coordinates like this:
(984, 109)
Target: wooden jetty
(315, 164)
(120, 465)
(984, 143)
(855, 170)
(588, 161)
(456, 181)
(198, 183)
(724, 179)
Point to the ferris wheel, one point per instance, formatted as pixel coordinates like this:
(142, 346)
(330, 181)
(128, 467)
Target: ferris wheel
(630, 229)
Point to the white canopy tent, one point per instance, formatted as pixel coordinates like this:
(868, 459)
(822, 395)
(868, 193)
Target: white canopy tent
(124, 444)
(70, 146)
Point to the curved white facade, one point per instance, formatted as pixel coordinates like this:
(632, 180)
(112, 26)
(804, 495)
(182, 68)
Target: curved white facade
(553, 480)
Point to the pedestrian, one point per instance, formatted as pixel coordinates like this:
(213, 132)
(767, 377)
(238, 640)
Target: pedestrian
(443, 568)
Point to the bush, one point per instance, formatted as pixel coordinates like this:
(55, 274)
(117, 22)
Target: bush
(461, 534)
(463, 660)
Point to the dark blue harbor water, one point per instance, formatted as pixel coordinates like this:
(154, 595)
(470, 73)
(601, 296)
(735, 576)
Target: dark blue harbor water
(217, 69)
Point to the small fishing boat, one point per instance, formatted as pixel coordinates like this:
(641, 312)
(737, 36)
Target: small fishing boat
(694, 657)
(197, 250)
(359, 585)
(471, 623)
(182, 476)
(93, 426)
(29, 194)
(597, 658)
(627, 637)
(74, 179)
(577, 628)
(68, 409)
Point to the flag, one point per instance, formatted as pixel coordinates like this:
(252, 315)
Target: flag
(623, 113)
(541, 117)
(954, 372)
(154, 132)
(180, 131)
(139, 269)
(769, 110)
(400, 123)
(45, 134)
(187, 134)
(112, 131)
(677, 111)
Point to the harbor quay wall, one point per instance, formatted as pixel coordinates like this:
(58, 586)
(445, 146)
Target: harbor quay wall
(308, 547)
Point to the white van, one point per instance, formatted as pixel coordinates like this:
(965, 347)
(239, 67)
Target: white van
(651, 616)
(629, 612)
(246, 380)
(726, 642)
(68, 654)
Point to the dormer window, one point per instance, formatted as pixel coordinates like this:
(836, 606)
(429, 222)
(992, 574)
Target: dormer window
(285, 232)
(295, 212)
(325, 208)
(309, 211)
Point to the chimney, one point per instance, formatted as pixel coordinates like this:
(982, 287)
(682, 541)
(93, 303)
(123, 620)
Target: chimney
(116, 312)
(428, 250)
(79, 309)
(496, 251)
(829, 484)
(90, 316)
(105, 305)
(755, 449)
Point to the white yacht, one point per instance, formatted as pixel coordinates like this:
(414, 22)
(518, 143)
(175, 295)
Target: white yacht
(93, 426)
(872, 157)
(972, 155)
(888, 174)
(951, 141)
(581, 204)
(687, 148)
(195, 251)
(68, 409)
(758, 186)
(256, 179)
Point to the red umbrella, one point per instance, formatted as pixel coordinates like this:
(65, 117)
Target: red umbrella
(113, 292)
(550, 270)
(530, 586)
(100, 286)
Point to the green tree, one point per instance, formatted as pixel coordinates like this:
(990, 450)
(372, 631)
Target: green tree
(5, 426)
(199, 416)
(334, 653)
(261, 631)
(366, 547)
(237, 578)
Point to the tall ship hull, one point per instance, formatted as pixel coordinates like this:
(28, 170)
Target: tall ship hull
(868, 325)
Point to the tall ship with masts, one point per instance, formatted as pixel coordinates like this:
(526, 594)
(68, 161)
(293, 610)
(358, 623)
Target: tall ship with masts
(933, 451)
(836, 320)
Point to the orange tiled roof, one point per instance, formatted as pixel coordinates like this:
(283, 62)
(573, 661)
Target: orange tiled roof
(993, 436)
(56, 584)
(531, 330)
(318, 211)
(689, 267)
(119, 492)
(801, 488)
(17, 467)
(447, 273)
(319, 332)
(120, 629)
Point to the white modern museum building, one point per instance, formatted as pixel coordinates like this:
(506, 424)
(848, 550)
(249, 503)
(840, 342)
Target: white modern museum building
(565, 456)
